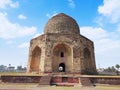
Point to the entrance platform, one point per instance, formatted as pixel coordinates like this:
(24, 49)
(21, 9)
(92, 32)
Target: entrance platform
(60, 79)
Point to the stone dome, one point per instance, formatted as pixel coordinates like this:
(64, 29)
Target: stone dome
(62, 23)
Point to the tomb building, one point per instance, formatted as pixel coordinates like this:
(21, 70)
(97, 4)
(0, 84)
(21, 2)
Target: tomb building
(61, 49)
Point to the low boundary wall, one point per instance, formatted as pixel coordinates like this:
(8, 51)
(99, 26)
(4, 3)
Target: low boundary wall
(62, 80)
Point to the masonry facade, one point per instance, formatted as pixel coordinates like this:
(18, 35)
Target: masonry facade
(61, 45)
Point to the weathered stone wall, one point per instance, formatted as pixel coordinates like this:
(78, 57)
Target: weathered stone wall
(37, 42)
(64, 79)
(60, 80)
(87, 65)
(62, 35)
(76, 43)
(20, 79)
(72, 45)
(110, 81)
(55, 44)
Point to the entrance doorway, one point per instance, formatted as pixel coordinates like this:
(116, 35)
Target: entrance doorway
(62, 56)
(62, 67)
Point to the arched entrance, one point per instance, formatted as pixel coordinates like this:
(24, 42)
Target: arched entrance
(62, 56)
(35, 60)
(62, 67)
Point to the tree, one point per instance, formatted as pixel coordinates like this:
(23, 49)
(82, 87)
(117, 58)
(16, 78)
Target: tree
(113, 68)
(117, 66)
(2, 68)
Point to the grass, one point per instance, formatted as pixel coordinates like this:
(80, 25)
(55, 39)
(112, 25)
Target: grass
(17, 74)
(108, 87)
(34, 74)
(32, 86)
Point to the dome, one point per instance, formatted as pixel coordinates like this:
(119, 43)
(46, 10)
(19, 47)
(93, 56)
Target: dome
(62, 23)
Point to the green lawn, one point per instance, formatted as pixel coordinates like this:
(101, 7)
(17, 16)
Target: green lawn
(17, 74)
(32, 86)
(108, 87)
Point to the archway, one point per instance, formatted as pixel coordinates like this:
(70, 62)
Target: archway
(87, 60)
(62, 53)
(35, 61)
(62, 67)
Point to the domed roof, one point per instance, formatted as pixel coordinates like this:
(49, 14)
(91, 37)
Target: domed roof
(62, 23)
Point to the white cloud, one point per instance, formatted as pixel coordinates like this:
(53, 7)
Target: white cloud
(71, 3)
(21, 16)
(10, 3)
(94, 32)
(106, 47)
(111, 10)
(107, 42)
(9, 42)
(101, 37)
(118, 28)
(14, 5)
(13, 30)
(51, 15)
(24, 45)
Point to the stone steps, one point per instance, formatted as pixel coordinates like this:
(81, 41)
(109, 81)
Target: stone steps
(84, 81)
(45, 80)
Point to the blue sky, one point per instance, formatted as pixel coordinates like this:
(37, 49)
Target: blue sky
(21, 20)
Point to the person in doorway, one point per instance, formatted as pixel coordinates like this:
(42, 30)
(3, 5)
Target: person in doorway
(60, 68)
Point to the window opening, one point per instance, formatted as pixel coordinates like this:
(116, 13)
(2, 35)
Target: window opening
(61, 54)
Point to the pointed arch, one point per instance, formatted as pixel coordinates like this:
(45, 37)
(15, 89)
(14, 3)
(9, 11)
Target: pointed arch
(35, 61)
(62, 53)
(87, 60)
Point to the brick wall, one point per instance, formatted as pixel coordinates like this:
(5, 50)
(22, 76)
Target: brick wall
(20, 79)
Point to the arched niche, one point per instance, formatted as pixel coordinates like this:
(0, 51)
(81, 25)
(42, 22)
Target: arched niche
(35, 61)
(62, 53)
(87, 60)
(87, 54)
